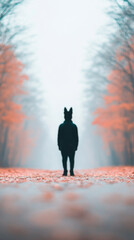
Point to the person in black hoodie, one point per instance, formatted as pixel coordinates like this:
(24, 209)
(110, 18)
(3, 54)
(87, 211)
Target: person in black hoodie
(68, 141)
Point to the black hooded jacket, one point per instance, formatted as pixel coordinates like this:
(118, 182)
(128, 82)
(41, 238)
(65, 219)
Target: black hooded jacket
(68, 136)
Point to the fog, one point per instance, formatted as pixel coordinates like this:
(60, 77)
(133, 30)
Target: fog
(59, 34)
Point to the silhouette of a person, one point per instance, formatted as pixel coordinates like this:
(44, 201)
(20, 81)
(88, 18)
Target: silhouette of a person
(68, 141)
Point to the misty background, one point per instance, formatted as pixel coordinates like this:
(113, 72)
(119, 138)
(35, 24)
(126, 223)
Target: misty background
(62, 32)
(58, 45)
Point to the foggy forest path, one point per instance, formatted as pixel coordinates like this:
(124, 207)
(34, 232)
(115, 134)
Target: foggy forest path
(41, 204)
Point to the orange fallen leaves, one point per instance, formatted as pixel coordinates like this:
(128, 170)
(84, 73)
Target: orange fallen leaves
(83, 178)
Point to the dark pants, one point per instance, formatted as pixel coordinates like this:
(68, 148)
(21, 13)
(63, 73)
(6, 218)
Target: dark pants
(65, 155)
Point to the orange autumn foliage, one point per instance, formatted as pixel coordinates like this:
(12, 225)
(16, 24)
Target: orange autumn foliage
(11, 81)
(116, 118)
(15, 141)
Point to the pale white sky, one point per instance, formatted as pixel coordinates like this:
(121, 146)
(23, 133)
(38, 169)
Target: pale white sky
(63, 30)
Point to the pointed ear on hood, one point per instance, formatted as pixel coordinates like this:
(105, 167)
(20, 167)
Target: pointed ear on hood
(71, 110)
(65, 110)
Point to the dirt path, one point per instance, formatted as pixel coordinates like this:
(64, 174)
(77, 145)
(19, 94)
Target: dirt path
(96, 204)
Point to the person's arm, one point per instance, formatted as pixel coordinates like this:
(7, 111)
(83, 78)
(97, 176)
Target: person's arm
(59, 138)
(76, 138)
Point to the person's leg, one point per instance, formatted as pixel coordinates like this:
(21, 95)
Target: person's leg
(64, 162)
(71, 158)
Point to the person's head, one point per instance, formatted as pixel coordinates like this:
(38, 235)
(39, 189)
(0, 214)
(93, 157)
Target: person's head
(68, 114)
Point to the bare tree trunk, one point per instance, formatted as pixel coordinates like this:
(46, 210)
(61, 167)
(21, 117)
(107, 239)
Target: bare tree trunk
(4, 148)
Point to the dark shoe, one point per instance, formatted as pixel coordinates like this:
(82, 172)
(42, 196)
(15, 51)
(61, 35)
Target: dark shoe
(72, 173)
(64, 173)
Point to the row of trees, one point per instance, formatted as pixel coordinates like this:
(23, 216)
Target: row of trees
(111, 81)
(20, 111)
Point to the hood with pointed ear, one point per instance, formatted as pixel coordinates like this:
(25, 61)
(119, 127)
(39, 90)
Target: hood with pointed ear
(65, 110)
(68, 114)
(71, 110)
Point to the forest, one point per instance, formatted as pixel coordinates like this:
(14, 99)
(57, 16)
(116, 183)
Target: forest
(109, 88)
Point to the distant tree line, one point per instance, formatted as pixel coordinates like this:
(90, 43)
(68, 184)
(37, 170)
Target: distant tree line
(110, 80)
(20, 112)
